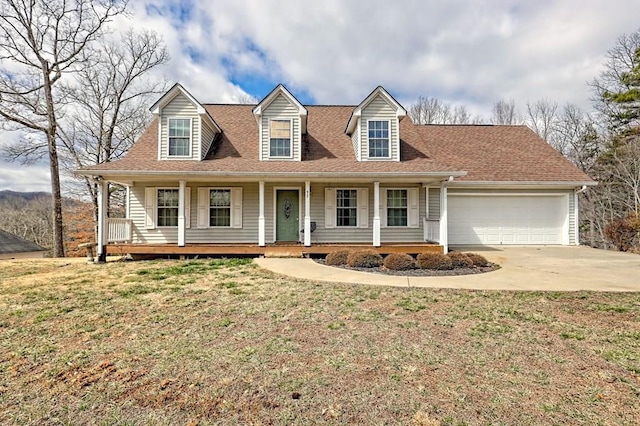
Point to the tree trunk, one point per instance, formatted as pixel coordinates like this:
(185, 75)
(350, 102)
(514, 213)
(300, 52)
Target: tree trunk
(56, 195)
(54, 167)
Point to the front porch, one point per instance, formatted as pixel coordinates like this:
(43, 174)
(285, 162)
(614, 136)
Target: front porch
(269, 250)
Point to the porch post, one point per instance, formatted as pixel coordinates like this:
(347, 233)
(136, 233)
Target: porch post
(103, 202)
(307, 214)
(127, 204)
(376, 214)
(261, 227)
(443, 218)
(181, 212)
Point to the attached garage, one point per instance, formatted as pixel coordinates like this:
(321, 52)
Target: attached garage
(518, 219)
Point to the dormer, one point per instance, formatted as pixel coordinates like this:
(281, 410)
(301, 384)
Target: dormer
(374, 127)
(185, 129)
(282, 121)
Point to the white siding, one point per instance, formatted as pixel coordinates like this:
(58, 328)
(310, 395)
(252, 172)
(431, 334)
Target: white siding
(180, 107)
(281, 109)
(355, 140)
(572, 218)
(208, 133)
(360, 235)
(434, 203)
(379, 109)
(247, 234)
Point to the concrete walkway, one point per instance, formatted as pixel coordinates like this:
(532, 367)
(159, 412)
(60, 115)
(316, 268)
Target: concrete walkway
(553, 268)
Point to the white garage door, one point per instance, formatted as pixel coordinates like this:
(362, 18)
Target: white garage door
(507, 219)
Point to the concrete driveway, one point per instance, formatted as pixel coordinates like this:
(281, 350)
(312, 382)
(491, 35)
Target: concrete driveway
(552, 268)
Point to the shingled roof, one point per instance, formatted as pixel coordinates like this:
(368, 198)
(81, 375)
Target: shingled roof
(483, 153)
(10, 243)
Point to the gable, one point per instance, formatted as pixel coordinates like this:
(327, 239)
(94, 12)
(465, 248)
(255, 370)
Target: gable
(282, 121)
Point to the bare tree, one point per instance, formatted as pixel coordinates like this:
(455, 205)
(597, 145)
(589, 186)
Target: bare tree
(504, 112)
(110, 98)
(434, 111)
(40, 41)
(542, 118)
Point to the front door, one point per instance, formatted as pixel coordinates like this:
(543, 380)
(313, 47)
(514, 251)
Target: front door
(287, 217)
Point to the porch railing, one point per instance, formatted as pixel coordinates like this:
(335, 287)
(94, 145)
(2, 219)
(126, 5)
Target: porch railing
(431, 230)
(119, 230)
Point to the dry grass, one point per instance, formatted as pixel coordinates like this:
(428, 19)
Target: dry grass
(204, 342)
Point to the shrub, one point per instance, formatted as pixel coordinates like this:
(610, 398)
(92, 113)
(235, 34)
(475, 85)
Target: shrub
(622, 232)
(364, 259)
(460, 260)
(478, 260)
(336, 258)
(435, 261)
(399, 262)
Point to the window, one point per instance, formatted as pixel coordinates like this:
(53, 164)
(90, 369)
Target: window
(346, 207)
(179, 137)
(378, 139)
(168, 207)
(397, 207)
(280, 138)
(220, 207)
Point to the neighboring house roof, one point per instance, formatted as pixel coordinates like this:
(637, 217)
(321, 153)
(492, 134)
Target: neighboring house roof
(10, 243)
(484, 153)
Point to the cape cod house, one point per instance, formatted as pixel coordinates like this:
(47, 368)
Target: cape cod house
(211, 178)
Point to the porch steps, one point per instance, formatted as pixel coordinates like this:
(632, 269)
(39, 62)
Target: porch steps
(283, 254)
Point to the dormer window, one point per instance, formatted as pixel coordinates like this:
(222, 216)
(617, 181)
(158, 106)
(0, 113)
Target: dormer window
(179, 137)
(280, 138)
(378, 139)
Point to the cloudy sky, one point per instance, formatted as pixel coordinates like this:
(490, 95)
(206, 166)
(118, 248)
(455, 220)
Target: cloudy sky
(465, 52)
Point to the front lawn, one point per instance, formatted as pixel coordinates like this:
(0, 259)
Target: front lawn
(222, 341)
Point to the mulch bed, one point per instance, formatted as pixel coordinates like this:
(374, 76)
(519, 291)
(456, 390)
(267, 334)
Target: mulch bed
(420, 272)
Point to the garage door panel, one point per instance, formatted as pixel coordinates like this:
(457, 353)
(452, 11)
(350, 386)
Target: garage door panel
(495, 220)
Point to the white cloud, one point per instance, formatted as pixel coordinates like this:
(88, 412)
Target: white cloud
(467, 52)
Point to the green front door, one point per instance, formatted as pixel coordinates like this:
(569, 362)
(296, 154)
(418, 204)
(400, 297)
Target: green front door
(287, 217)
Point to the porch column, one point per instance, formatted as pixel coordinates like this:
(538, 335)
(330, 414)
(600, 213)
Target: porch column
(181, 212)
(376, 214)
(261, 226)
(307, 214)
(127, 204)
(103, 231)
(443, 218)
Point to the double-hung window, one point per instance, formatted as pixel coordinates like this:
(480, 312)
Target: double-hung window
(179, 137)
(280, 138)
(220, 207)
(346, 207)
(397, 207)
(168, 207)
(378, 132)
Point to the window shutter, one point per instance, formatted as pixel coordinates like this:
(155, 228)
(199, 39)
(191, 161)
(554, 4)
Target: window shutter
(383, 207)
(329, 208)
(363, 208)
(236, 207)
(413, 207)
(187, 207)
(203, 207)
(150, 209)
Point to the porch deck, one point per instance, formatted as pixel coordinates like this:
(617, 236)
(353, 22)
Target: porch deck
(270, 250)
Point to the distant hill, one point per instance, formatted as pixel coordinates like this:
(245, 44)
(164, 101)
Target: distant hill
(27, 196)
